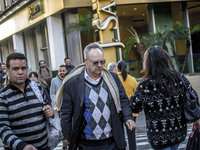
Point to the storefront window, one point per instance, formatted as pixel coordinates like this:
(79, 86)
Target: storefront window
(136, 17)
(194, 13)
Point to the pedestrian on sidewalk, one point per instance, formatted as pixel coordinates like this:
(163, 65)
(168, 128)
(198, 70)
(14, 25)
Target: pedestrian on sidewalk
(44, 75)
(33, 76)
(112, 67)
(161, 95)
(94, 105)
(130, 85)
(22, 125)
(68, 65)
(55, 85)
(57, 82)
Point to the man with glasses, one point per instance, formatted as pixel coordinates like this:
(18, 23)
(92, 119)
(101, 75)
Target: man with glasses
(94, 105)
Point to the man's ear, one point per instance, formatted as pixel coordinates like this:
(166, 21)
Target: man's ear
(85, 59)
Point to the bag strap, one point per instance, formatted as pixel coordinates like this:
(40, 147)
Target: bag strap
(37, 92)
(183, 81)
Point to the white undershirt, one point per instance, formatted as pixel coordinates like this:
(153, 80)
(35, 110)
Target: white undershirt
(89, 79)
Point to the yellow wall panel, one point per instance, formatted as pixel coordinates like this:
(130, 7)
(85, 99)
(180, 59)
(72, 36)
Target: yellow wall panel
(77, 3)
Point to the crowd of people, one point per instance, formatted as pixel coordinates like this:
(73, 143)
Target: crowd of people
(94, 103)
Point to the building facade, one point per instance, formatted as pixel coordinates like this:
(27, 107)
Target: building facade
(37, 28)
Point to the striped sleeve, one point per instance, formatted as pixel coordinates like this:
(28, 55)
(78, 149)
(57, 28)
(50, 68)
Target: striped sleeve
(6, 133)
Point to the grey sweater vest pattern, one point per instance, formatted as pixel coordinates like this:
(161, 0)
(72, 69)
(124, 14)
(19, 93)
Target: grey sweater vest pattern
(97, 121)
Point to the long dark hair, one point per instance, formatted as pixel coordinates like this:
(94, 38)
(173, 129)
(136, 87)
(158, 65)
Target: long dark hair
(121, 65)
(157, 66)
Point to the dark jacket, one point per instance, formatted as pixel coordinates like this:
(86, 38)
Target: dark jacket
(69, 68)
(73, 107)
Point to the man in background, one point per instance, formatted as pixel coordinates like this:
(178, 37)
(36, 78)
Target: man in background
(57, 82)
(68, 65)
(112, 67)
(3, 73)
(44, 75)
(55, 85)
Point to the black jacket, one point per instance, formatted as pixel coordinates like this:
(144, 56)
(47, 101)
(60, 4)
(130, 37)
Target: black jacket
(72, 111)
(166, 125)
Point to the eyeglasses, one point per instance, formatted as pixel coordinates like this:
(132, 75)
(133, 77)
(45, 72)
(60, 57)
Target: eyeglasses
(96, 63)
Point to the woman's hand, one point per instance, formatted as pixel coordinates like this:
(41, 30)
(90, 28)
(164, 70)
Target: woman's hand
(196, 125)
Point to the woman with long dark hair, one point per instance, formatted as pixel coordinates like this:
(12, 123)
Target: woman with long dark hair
(161, 95)
(130, 85)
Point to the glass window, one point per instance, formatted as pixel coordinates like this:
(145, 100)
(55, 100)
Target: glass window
(194, 13)
(132, 17)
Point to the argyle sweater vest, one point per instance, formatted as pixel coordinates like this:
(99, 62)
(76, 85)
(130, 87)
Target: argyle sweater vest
(96, 118)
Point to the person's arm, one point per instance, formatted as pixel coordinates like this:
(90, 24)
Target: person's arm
(50, 73)
(6, 133)
(189, 86)
(136, 99)
(196, 125)
(125, 105)
(48, 110)
(66, 112)
(135, 85)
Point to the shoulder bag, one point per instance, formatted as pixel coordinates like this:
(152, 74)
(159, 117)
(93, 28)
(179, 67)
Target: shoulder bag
(194, 141)
(191, 105)
(53, 128)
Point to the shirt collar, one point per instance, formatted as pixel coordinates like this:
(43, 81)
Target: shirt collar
(89, 79)
(15, 88)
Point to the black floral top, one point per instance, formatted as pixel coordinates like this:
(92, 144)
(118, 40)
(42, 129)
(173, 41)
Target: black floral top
(166, 125)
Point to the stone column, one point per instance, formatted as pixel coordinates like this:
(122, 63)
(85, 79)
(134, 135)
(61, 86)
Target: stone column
(56, 41)
(18, 42)
(30, 49)
(74, 48)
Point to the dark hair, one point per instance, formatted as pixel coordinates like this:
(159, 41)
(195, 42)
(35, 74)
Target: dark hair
(40, 71)
(33, 73)
(14, 56)
(66, 58)
(62, 66)
(158, 66)
(41, 61)
(121, 65)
